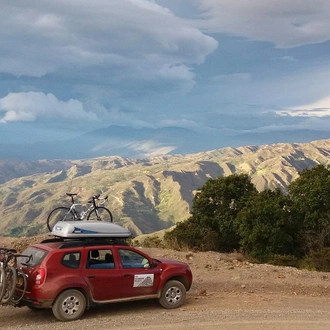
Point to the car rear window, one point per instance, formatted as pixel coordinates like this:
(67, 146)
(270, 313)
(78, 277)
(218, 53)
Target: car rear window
(36, 256)
(100, 259)
(71, 260)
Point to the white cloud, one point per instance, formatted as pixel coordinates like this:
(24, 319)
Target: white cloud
(146, 148)
(178, 123)
(33, 105)
(285, 23)
(320, 108)
(309, 123)
(123, 37)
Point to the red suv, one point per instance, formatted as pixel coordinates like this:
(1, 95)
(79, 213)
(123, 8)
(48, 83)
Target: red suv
(71, 275)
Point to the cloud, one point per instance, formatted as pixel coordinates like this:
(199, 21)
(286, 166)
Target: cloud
(145, 148)
(157, 63)
(125, 39)
(285, 58)
(33, 105)
(286, 23)
(320, 108)
(233, 78)
(186, 123)
(302, 123)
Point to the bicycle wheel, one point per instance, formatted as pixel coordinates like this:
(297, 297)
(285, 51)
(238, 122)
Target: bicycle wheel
(59, 214)
(100, 213)
(2, 282)
(21, 287)
(11, 280)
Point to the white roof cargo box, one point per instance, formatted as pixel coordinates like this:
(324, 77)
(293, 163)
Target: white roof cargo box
(89, 229)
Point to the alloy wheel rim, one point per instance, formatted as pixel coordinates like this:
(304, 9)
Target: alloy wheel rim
(71, 305)
(173, 295)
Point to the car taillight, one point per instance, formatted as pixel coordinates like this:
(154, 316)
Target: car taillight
(40, 277)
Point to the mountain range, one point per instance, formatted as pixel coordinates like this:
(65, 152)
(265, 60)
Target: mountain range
(145, 194)
(143, 142)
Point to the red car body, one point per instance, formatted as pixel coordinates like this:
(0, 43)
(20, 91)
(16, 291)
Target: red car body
(69, 276)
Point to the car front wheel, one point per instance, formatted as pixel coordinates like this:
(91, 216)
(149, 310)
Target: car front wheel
(70, 305)
(173, 294)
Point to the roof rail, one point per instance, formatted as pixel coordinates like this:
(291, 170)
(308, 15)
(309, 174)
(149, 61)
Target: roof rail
(52, 240)
(76, 242)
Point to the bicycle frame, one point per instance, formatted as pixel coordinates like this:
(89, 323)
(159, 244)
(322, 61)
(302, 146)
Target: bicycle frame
(82, 214)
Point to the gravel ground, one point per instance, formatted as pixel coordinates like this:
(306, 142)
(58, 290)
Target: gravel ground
(227, 293)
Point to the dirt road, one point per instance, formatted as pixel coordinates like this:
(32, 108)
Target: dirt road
(226, 311)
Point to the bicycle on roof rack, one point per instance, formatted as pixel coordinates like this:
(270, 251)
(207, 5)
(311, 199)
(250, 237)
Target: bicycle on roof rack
(78, 211)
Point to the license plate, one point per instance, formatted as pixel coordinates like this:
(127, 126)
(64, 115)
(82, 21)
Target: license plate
(20, 281)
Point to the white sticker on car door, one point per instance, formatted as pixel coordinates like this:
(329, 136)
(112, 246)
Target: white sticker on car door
(143, 280)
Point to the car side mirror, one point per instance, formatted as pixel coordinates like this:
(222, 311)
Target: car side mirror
(154, 264)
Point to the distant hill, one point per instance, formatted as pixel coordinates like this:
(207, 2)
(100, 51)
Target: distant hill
(144, 142)
(111, 141)
(145, 195)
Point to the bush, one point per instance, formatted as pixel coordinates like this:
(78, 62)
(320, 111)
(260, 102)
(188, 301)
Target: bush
(185, 234)
(152, 242)
(285, 260)
(317, 260)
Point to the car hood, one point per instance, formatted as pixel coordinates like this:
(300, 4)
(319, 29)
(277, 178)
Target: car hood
(169, 261)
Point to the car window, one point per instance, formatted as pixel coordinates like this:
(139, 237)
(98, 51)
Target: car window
(100, 259)
(132, 259)
(36, 256)
(71, 260)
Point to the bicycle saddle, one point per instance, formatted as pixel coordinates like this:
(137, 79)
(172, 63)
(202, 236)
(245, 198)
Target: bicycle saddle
(71, 195)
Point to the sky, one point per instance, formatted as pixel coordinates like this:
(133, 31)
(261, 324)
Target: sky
(218, 67)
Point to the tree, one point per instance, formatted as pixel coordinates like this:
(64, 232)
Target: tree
(217, 204)
(190, 234)
(266, 226)
(310, 194)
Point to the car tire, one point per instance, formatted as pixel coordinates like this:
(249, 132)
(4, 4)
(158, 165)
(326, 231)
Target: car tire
(70, 305)
(173, 294)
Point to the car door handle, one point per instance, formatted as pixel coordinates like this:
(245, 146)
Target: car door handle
(91, 276)
(127, 275)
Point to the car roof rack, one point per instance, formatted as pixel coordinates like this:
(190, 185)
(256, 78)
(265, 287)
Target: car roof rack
(76, 242)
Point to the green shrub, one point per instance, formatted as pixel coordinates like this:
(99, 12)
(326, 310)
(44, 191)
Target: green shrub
(284, 260)
(152, 242)
(317, 260)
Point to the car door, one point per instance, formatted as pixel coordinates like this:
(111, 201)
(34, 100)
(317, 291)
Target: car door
(140, 277)
(103, 277)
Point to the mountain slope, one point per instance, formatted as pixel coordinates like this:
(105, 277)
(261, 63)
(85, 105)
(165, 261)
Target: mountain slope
(145, 195)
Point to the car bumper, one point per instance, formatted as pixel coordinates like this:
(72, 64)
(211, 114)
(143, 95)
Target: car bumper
(36, 303)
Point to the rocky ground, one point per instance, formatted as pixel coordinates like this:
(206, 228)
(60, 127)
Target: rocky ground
(228, 293)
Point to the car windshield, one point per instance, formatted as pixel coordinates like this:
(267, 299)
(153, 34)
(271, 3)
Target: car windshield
(33, 257)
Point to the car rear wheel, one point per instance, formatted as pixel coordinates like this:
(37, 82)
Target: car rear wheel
(173, 294)
(70, 305)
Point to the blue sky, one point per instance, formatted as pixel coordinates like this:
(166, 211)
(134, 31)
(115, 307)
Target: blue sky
(218, 67)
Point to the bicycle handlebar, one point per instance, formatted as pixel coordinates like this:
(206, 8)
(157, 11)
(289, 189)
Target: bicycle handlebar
(97, 197)
(92, 200)
(7, 250)
(7, 254)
